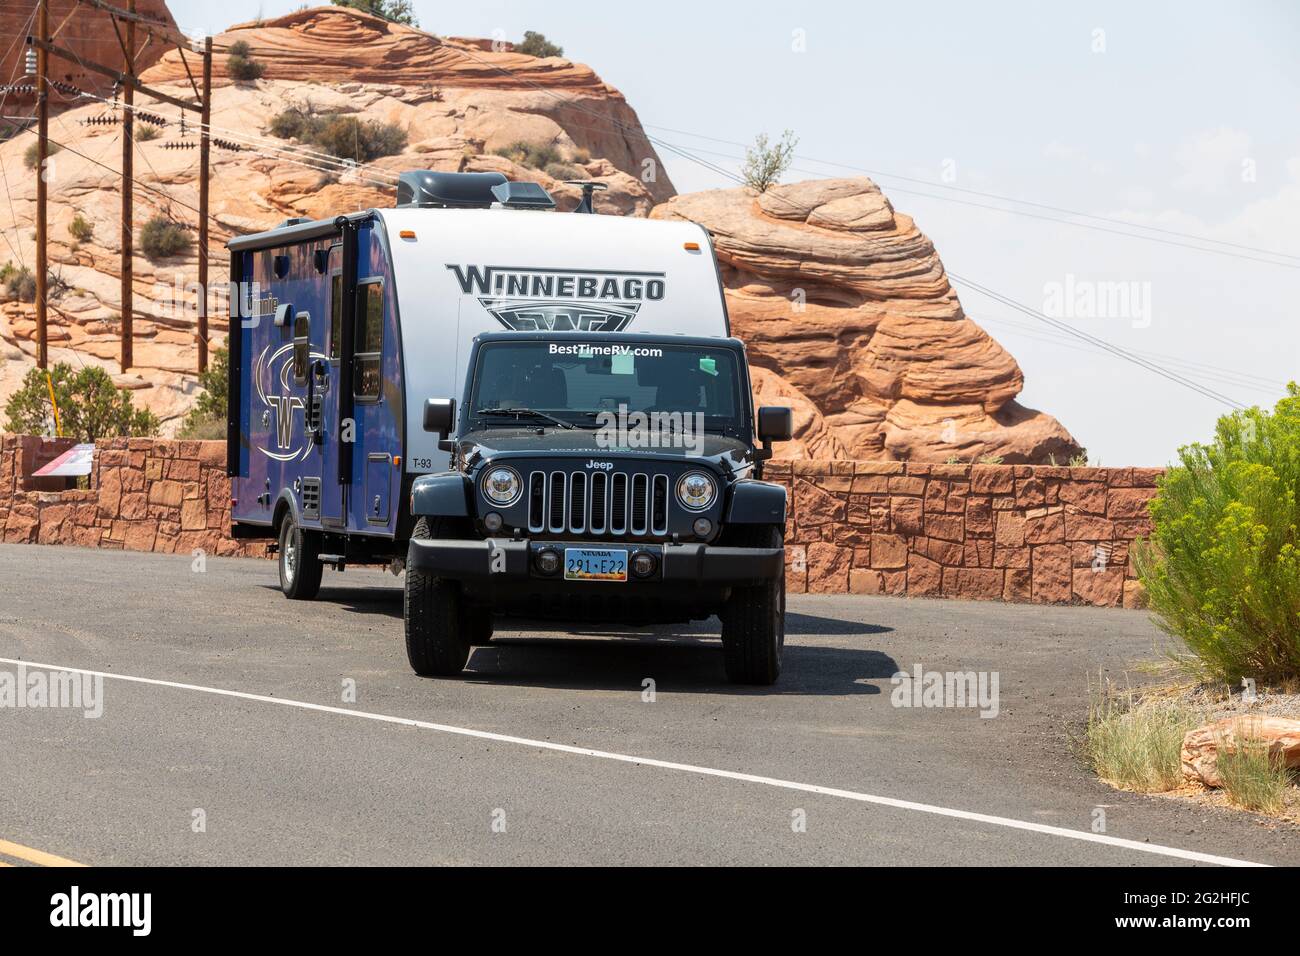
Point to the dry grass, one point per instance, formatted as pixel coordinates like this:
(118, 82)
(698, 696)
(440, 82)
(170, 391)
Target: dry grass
(1134, 744)
(1252, 779)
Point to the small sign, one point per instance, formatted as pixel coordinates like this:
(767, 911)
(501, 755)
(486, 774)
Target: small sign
(75, 461)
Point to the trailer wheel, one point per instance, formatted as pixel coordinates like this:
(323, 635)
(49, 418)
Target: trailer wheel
(300, 567)
(437, 642)
(753, 620)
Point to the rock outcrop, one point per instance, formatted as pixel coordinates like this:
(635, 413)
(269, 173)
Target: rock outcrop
(846, 308)
(847, 301)
(1202, 746)
(457, 100)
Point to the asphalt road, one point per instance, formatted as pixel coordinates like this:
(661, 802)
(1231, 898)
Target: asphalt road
(528, 758)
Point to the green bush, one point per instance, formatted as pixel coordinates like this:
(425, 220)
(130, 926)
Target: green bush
(90, 406)
(1222, 570)
(160, 238)
(533, 155)
(19, 284)
(343, 136)
(240, 65)
(143, 132)
(80, 229)
(764, 164)
(536, 44)
(207, 419)
(398, 11)
(31, 155)
(563, 171)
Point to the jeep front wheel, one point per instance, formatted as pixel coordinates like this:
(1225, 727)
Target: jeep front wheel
(753, 620)
(436, 642)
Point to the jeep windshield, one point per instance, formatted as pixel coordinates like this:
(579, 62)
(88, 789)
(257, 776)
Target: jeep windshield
(598, 384)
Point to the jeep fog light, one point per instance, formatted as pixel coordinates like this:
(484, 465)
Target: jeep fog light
(492, 521)
(643, 564)
(703, 527)
(502, 486)
(696, 491)
(547, 561)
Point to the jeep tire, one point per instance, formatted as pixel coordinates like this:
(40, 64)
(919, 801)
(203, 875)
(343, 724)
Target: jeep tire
(437, 638)
(753, 619)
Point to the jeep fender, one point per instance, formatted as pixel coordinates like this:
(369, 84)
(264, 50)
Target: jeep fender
(756, 502)
(444, 495)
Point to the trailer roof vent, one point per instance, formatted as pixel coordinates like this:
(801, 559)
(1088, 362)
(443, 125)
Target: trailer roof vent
(425, 189)
(294, 221)
(523, 196)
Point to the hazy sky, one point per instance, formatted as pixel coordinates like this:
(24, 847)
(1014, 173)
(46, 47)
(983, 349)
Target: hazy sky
(1182, 116)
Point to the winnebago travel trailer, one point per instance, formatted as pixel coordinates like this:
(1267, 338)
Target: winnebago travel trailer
(601, 462)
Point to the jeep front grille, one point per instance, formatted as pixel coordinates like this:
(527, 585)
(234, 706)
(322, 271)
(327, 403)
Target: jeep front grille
(600, 502)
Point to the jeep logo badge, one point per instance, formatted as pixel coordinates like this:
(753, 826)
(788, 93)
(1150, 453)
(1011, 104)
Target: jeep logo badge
(600, 465)
(560, 300)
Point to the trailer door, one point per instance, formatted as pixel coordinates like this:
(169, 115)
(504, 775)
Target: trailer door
(326, 392)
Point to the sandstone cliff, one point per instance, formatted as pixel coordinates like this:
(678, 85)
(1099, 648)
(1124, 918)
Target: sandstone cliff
(847, 301)
(844, 303)
(457, 100)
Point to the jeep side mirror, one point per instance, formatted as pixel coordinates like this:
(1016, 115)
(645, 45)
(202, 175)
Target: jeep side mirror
(439, 413)
(775, 423)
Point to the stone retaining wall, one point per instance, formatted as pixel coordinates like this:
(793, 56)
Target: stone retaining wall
(144, 495)
(995, 532)
(1048, 535)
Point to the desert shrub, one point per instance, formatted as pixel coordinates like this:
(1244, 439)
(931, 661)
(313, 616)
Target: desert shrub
(1137, 745)
(564, 171)
(1222, 570)
(160, 238)
(145, 131)
(398, 11)
(241, 65)
(19, 283)
(207, 419)
(764, 164)
(80, 229)
(90, 406)
(32, 155)
(343, 136)
(533, 155)
(536, 44)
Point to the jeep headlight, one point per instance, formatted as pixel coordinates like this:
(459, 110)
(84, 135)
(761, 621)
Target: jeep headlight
(502, 486)
(696, 491)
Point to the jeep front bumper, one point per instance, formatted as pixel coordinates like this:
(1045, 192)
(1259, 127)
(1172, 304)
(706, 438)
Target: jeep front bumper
(499, 560)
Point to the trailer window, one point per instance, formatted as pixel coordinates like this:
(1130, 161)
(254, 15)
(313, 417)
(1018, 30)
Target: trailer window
(301, 347)
(369, 340)
(336, 315)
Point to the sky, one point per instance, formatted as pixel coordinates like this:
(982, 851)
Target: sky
(1181, 117)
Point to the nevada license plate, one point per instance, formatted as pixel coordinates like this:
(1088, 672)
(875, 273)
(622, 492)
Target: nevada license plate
(595, 564)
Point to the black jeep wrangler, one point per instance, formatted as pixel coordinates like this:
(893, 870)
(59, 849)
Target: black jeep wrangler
(600, 477)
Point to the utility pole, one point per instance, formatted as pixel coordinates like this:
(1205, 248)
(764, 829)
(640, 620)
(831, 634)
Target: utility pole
(128, 84)
(204, 152)
(128, 193)
(43, 151)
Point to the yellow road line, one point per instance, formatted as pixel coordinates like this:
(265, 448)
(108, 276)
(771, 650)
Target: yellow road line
(29, 855)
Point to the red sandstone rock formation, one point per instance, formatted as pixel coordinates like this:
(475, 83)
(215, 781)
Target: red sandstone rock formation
(1280, 736)
(848, 302)
(451, 97)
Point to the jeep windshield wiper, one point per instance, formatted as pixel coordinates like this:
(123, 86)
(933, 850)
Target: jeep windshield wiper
(522, 412)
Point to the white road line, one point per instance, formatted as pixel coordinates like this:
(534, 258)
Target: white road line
(1008, 822)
